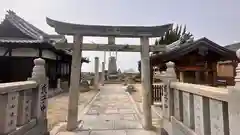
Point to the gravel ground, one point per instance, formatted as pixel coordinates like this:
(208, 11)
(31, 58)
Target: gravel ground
(58, 106)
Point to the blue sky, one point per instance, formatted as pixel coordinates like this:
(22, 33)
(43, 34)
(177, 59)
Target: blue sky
(218, 20)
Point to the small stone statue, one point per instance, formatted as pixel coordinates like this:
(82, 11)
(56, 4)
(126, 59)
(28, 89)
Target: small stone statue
(84, 85)
(130, 89)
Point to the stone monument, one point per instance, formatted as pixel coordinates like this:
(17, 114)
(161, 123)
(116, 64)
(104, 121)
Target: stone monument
(112, 68)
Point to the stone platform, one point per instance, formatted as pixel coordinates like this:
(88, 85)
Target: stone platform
(111, 113)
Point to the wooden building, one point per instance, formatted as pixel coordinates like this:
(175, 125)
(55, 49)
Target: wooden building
(21, 43)
(227, 69)
(195, 62)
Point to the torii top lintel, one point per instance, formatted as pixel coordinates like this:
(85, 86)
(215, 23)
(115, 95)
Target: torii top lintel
(106, 31)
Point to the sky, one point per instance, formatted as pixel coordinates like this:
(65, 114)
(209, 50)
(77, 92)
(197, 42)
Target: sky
(218, 20)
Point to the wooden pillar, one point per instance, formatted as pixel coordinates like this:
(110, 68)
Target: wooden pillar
(69, 75)
(197, 77)
(181, 76)
(59, 84)
(146, 83)
(206, 77)
(96, 78)
(214, 74)
(74, 84)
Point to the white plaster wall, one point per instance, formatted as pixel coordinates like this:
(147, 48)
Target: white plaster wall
(30, 52)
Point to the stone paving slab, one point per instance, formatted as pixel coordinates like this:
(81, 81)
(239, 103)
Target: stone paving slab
(111, 113)
(125, 124)
(108, 132)
(97, 124)
(111, 132)
(129, 117)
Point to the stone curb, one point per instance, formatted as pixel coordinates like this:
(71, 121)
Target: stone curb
(156, 112)
(139, 115)
(87, 107)
(62, 125)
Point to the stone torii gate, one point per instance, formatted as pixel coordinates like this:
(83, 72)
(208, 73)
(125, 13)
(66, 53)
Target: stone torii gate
(78, 31)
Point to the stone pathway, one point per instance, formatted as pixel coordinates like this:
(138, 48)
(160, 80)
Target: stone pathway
(111, 113)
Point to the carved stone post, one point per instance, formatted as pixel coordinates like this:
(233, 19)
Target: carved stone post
(39, 108)
(103, 73)
(168, 77)
(74, 84)
(233, 103)
(96, 78)
(146, 83)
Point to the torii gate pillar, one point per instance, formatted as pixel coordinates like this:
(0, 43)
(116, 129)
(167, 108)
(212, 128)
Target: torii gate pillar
(74, 84)
(146, 83)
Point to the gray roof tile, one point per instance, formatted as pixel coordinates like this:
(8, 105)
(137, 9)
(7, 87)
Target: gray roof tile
(31, 30)
(233, 47)
(20, 41)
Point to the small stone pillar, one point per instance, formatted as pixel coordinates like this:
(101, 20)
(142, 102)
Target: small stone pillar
(233, 102)
(103, 73)
(39, 108)
(96, 77)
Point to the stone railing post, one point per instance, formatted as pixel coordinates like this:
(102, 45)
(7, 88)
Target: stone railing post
(233, 102)
(167, 98)
(40, 94)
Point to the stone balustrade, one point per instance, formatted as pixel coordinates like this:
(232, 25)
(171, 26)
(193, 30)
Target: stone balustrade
(23, 104)
(197, 109)
(202, 110)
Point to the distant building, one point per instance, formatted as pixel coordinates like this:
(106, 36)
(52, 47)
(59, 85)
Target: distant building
(21, 43)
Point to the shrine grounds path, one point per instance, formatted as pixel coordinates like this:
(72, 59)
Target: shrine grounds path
(110, 113)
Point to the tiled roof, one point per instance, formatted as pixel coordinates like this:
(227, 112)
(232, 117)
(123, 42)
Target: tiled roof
(188, 47)
(31, 30)
(28, 41)
(233, 47)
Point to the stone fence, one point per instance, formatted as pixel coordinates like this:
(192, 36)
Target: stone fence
(23, 104)
(193, 109)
